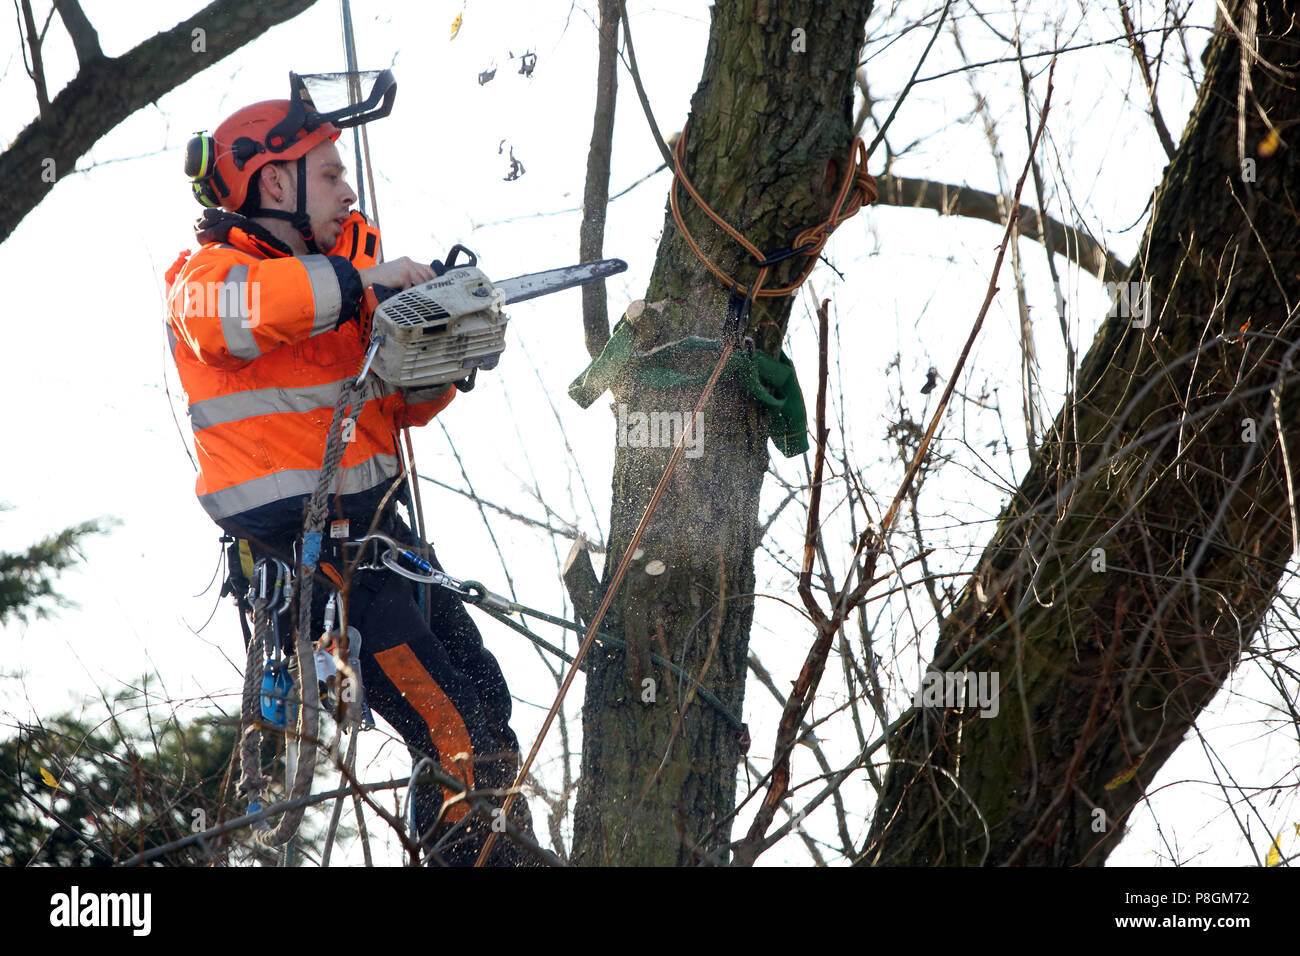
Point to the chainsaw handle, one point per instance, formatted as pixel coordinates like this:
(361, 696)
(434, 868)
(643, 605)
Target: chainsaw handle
(370, 300)
(439, 267)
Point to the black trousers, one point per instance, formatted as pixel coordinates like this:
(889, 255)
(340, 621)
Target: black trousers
(444, 693)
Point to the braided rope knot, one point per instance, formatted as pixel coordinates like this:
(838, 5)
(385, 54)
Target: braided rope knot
(857, 189)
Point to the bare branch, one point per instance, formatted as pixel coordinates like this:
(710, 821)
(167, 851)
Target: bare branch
(1140, 54)
(36, 69)
(84, 38)
(108, 90)
(595, 197)
(951, 200)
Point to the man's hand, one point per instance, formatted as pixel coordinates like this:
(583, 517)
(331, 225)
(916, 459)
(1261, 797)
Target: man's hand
(397, 274)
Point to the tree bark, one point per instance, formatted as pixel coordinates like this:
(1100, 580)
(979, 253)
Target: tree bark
(1129, 574)
(767, 145)
(106, 90)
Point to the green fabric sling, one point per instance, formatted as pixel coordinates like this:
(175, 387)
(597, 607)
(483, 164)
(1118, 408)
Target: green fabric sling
(771, 381)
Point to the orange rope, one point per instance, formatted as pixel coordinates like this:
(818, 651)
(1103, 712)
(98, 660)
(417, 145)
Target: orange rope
(605, 603)
(857, 189)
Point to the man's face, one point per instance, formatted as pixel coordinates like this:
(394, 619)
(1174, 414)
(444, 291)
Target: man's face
(329, 197)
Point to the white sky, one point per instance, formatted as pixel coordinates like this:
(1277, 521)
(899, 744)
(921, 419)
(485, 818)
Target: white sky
(92, 431)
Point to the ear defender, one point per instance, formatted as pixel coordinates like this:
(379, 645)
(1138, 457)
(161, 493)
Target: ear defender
(200, 167)
(200, 157)
(205, 194)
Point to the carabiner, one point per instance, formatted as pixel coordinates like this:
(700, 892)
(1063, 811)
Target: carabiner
(261, 580)
(284, 581)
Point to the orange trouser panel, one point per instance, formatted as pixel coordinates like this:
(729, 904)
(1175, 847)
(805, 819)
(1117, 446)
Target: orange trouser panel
(446, 727)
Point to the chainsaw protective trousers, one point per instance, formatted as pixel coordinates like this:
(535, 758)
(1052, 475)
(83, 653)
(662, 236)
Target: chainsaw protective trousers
(444, 693)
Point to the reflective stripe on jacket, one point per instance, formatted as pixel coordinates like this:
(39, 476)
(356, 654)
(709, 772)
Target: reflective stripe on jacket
(253, 332)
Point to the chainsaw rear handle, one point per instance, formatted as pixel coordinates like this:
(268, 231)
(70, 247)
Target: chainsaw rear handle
(439, 267)
(376, 294)
(370, 300)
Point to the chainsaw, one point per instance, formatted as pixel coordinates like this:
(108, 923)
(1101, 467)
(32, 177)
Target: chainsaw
(446, 329)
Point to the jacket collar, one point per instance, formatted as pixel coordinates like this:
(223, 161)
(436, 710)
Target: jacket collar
(218, 225)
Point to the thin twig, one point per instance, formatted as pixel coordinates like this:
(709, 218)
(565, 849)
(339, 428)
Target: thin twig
(880, 134)
(640, 90)
(1140, 54)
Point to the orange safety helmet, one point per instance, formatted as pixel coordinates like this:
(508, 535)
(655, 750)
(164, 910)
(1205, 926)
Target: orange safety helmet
(252, 137)
(222, 165)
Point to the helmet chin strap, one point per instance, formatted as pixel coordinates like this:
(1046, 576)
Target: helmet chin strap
(299, 218)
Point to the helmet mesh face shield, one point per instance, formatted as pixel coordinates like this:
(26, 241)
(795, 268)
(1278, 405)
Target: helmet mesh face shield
(348, 99)
(342, 100)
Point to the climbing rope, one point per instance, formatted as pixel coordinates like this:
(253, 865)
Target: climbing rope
(252, 781)
(624, 564)
(857, 189)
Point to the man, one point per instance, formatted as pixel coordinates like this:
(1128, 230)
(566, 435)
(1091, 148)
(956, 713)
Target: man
(263, 328)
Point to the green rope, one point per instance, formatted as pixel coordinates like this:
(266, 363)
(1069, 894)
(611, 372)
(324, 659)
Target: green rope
(772, 381)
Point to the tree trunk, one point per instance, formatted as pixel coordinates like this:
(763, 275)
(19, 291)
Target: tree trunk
(767, 145)
(1129, 574)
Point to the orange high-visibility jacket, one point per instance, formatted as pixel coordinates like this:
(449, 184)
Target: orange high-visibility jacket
(262, 350)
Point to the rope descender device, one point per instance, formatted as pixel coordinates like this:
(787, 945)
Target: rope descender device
(739, 302)
(277, 704)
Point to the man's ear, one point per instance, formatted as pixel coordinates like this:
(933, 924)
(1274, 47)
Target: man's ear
(277, 181)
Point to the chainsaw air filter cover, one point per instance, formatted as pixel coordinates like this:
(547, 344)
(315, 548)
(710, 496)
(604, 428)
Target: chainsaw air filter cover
(440, 331)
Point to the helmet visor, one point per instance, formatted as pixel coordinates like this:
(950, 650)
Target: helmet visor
(346, 99)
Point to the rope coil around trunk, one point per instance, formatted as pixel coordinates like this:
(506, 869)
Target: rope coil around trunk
(857, 189)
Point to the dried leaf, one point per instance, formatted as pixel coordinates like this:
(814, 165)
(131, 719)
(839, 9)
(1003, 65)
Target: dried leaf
(455, 25)
(1270, 143)
(1124, 776)
(1274, 857)
(48, 779)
